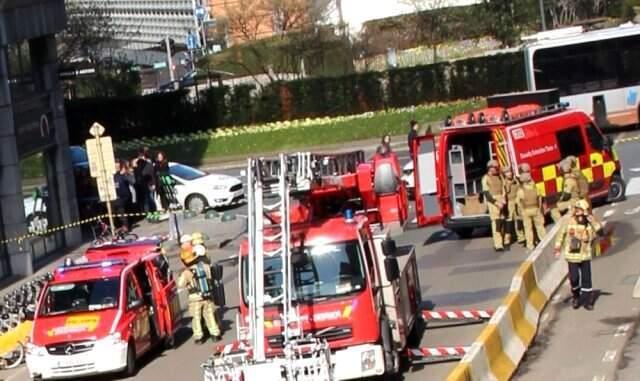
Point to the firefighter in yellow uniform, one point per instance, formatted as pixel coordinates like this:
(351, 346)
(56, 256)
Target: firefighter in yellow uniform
(575, 242)
(581, 179)
(530, 205)
(513, 220)
(570, 192)
(493, 190)
(196, 278)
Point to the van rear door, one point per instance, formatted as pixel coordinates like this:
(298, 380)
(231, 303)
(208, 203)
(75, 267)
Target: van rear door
(166, 292)
(427, 191)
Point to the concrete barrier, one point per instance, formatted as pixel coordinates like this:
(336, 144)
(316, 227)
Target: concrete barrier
(498, 350)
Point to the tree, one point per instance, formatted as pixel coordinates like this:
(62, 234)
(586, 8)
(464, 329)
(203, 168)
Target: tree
(506, 20)
(266, 28)
(89, 30)
(432, 21)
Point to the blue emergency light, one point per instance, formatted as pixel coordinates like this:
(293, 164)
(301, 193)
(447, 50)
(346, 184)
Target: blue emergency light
(348, 215)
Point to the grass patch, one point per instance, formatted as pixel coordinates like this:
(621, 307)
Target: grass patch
(32, 167)
(306, 134)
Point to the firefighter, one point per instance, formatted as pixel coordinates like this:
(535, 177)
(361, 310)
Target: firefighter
(196, 277)
(513, 220)
(574, 241)
(493, 190)
(581, 179)
(529, 203)
(570, 193)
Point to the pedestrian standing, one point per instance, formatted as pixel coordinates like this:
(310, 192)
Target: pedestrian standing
(581, 179)
(529, 203)
(123, 180)
(574, 242)
(413, 133)
(145, 181)
(385, 145)
(493, 191)
(162, 174)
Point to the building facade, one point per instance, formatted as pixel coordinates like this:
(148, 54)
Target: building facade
(142, 24)
(34, 148)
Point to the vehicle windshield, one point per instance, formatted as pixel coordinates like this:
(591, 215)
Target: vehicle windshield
(89, 295)
(185, 172)
(319, 272)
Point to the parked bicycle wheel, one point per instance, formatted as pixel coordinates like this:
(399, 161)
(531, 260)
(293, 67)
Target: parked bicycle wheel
(14, 358)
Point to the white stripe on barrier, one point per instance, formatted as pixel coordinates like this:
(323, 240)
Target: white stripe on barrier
(476, 358)
(511, 342)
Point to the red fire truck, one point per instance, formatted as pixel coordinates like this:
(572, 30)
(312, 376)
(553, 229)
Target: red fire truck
(325, 292)
(103, 311)
(514, 129)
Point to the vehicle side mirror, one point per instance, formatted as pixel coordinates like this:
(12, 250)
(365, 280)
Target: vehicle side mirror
(392, 269)
(217, 271)
(608, 141)
(135, 304)
(389, 247)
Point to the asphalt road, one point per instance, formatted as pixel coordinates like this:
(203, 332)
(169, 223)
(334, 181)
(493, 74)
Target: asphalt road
(454, 274)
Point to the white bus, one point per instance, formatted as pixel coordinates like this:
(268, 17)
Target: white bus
(597, 71)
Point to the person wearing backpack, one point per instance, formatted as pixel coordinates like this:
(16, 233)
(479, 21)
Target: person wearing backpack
(197, 279)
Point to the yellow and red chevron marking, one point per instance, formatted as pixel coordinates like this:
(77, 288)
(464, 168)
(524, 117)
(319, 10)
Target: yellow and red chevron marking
(501, 151)
(593, 167)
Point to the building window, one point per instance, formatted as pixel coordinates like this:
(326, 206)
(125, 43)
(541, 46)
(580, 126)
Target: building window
(20, 70)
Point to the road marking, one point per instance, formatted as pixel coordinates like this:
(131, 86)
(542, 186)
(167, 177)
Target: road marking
(622, 330)
(636, 291)
(544, 317)
(609, 356)
(599, 378)
(633, 187)
(632, 211)
(635, 170)
(556, 299)
(609, 213)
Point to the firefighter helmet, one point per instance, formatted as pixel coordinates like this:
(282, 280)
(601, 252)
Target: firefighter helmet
(525, 177)
(493, 164)
(506, 170)
(525, 167)
(197, 239)
(583, 205)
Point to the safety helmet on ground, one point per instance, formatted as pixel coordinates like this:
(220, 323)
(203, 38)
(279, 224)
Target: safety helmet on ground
(493, 164)
(525, 177)
(583, 205)
(187, 256)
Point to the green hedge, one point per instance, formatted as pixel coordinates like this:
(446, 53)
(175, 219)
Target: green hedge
(170, 113)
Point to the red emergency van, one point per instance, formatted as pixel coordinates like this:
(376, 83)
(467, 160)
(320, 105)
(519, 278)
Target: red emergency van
(100, 313)
(513, 129)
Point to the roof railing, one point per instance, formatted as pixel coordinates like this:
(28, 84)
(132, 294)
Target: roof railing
(505, 118)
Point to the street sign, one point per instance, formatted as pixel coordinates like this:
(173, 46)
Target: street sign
(200, 12)
(192, 41)
(106, 188)
(159, 65)
(105, 166)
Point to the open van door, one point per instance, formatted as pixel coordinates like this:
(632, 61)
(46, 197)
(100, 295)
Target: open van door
(165, 289)
(428, 210)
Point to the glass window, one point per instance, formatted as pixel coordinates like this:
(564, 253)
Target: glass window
(91, 295)
(20, 70)
(162, 265)
(78, 155)
(570, 142)
(185, 172)
(588, 67)
(595, 137)
(132, 291)
(319, 272)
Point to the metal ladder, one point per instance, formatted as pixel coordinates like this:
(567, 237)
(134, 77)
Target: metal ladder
(269, 185)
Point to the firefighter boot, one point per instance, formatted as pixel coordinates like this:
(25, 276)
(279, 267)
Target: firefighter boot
(589, 300)
(575, 299)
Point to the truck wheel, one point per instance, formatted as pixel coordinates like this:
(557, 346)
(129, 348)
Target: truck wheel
(616, 189)
(130, 369)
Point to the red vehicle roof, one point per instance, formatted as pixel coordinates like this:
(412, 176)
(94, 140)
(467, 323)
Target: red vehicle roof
(105, 261)
(318, 232)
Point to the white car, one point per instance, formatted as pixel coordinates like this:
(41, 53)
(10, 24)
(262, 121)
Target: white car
(197, 190)
(407, 177)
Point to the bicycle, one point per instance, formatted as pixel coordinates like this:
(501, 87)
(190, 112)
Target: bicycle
(15, 330)
(102, 234)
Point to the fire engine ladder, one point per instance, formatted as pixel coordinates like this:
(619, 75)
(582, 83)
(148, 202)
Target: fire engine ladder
(270, 183)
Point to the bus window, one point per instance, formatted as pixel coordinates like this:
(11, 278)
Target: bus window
(595, 137)
(570, 142)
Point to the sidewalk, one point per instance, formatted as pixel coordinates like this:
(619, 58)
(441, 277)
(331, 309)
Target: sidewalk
(589, 345)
